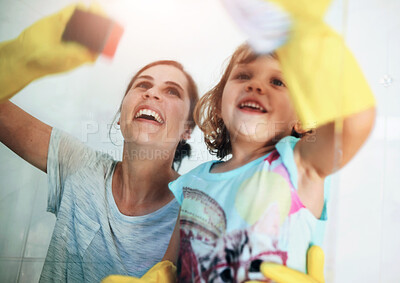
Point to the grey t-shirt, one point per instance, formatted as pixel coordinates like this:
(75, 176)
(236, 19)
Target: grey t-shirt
(91, 238)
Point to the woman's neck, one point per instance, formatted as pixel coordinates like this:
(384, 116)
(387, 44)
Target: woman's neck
(140, 181)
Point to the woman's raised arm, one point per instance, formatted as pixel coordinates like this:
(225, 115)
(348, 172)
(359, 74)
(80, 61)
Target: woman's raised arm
(24, 134)
(36, 52)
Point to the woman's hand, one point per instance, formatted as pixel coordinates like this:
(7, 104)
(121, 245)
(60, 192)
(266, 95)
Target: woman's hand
(162, 272)
(39, 51)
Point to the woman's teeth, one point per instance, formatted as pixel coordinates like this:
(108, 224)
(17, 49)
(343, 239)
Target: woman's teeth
(252, 105)
(149, 114)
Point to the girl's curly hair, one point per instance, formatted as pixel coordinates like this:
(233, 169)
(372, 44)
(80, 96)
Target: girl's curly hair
(207, 113)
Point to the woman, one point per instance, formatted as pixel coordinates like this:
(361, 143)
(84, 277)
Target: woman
(112, 217)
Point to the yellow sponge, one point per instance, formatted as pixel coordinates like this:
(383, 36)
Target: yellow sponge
(39, 51)
(324, 79)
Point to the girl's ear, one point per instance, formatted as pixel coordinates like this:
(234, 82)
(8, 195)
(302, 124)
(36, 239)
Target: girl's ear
(298, 128)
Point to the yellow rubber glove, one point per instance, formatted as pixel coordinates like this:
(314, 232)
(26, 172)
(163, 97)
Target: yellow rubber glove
(39, 51)
(282, 274)
(162, 272)
(324, 79)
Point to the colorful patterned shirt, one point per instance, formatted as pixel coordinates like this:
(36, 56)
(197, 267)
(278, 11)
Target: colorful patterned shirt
(231, 222)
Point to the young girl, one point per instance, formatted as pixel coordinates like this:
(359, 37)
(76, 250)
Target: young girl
(266, 203)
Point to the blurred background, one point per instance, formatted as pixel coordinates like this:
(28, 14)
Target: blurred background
(362, 238)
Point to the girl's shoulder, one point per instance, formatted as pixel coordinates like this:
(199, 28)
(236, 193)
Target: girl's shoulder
(200, 170)
(286, 145)
(176, 186)
(285, 150)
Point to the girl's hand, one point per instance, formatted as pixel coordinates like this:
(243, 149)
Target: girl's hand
(266, 25)
(282, 274)
(39, 51)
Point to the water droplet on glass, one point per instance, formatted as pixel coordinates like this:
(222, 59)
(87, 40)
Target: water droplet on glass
(386, 81)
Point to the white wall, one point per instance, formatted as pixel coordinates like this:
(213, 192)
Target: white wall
(362, 237)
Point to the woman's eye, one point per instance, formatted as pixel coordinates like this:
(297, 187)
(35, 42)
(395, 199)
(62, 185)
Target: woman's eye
(173, 91)
(277, 82)
(144, 85)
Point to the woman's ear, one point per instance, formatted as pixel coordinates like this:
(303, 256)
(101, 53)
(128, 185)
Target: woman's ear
(187, 133)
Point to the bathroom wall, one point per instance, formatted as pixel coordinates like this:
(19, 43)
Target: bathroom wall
(362, 235)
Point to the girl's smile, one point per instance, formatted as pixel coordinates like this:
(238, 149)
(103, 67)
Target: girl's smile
(252, 106)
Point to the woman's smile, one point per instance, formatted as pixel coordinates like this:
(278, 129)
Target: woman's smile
(160, 103)
(149, 115)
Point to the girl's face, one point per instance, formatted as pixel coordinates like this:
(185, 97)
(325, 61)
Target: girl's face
(155, 109)
(255, 102)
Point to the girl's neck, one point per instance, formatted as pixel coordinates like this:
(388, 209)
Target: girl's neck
(140, 181)
(243, 153)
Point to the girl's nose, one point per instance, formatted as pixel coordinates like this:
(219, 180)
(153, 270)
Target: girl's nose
(254, 86)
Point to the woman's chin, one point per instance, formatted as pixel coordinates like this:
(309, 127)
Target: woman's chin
(142, 132)
(143, 138)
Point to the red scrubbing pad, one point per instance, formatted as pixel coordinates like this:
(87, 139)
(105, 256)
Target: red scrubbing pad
(100, 34)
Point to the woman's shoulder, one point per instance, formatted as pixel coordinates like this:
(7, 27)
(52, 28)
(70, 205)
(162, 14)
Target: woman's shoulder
(73, 154)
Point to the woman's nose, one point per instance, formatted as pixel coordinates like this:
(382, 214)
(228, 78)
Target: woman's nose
(152, 94)
(256, 87)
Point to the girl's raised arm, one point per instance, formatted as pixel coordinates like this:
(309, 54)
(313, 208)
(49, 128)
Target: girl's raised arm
(24, 134)
(330, 150)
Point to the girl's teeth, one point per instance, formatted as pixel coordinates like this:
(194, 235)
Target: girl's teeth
(252, 105)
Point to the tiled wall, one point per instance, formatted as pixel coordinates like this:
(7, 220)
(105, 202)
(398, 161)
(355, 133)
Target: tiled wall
(25, 226)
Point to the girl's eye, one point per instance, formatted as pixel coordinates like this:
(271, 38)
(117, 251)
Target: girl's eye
(173, 91)
(277, 82)
(243, 76)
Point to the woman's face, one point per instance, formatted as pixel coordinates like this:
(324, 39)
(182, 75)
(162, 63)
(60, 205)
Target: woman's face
(156, 108)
